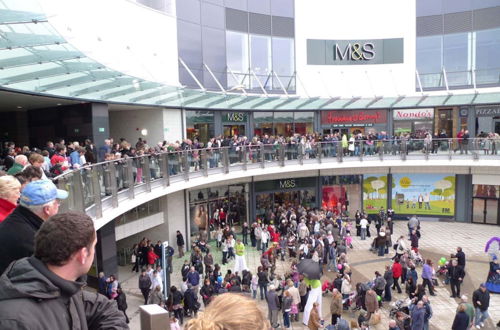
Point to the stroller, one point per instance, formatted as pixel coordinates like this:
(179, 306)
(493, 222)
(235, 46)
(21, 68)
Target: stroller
(416, 258)
(401, 306)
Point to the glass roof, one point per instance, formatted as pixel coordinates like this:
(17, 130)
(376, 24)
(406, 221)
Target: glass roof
(35, 58)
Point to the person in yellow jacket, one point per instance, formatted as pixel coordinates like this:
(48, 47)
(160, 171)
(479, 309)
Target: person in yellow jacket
(240, 263)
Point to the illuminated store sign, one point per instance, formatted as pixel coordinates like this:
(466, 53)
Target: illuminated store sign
(340, 118)
(349, 52)
(412, 114)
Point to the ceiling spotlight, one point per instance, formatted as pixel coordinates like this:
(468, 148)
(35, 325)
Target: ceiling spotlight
(19, 107)
(59, 103)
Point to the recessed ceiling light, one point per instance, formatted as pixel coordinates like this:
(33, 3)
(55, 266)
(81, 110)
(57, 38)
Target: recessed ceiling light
(19, 107)
(59, 103)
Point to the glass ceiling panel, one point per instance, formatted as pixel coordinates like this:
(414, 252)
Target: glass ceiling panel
(412, 101)
(433, 100)
(460, 99)
(385, 102)
(487, 98)
(35, 58)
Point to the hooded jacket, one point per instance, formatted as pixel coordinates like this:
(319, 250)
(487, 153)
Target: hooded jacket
(32, 297)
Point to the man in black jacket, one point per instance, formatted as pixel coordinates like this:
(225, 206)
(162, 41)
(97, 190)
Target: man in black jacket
(39, 201)
(456, 274)
(460, 257)
(481, 302)
(44, 291)
(180, 244)
(145, 285)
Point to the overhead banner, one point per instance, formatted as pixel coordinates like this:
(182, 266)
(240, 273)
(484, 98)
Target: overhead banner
(424, 194)
(413, 114)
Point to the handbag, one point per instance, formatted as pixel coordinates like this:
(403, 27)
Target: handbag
(395, 246)
(133, 258)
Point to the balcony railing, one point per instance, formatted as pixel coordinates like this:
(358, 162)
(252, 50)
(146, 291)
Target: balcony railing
(117, 181)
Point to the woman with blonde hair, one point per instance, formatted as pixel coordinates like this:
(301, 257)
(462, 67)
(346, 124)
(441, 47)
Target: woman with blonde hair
(230, 311)
(10, 191)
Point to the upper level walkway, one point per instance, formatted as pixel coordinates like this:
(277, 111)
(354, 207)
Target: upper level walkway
(107, 190)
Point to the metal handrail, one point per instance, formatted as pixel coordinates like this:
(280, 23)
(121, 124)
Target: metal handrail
(94, 185)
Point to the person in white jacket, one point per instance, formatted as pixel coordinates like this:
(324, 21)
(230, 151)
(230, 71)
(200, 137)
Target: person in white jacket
(265, 239)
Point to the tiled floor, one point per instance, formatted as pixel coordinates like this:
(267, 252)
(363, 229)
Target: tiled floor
(438, 239)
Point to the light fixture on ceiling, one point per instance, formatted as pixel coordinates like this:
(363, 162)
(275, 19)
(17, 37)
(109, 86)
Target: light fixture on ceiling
(59, 103)
(144, 132)
(19, 107)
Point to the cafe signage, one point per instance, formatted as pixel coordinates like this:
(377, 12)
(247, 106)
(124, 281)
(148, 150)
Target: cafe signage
(413, 114)
(488, 111)
(352, 118)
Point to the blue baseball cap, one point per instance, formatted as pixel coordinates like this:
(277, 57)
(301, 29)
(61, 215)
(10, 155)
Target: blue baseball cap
(41, 192)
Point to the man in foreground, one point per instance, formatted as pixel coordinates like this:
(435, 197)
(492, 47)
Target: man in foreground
(44, 291)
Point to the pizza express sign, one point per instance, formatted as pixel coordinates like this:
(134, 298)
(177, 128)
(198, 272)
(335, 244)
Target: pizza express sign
(348, 52)
(488, 111)
(413, 114)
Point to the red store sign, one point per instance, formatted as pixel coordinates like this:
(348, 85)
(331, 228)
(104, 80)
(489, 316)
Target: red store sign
(360, 117)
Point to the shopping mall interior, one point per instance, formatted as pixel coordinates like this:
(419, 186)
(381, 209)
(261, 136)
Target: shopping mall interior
(203, 112)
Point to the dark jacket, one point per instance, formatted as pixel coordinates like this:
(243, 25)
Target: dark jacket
(190, 299)
(461, 321)
(121, 301)
(32, 297)
(180, 240)
(144, 282)
(483, 297)
(461, 258)
(272, 300)
(389, 280)
(17, 234)
(456, 272)
(417, 318)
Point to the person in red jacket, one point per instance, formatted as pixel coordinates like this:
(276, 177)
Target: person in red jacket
(10, 191)
(152, 256)
(397, 271)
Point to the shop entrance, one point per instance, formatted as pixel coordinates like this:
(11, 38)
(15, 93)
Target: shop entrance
(497, 126)
(269, 202)
(232, 130)
(486, 204)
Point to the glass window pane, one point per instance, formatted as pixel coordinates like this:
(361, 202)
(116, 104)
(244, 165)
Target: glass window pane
(200, 125)
(260, 58)
(455, 51)
(429, 54)
(237, 58)
(283, 60)
(488, 56)
(304, 122)
(263, 123)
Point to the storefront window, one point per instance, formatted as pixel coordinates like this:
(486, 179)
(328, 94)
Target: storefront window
(263, 123)
(200, 125)
(283, 123)
(457, 57)
(304, 122)
(207, 204)
(341, 193)
(485, 208)
(417, 122)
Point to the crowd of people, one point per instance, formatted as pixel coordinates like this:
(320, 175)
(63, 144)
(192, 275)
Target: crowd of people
(294, 234)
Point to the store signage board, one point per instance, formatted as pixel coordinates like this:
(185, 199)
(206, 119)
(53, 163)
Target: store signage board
(355, 52)
(489, 111)
(285, 184)
(353, 117)
(413, 114)
(235, 117)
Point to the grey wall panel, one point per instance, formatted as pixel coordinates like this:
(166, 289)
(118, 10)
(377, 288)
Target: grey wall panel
(185, 77)
(189, 43)
(189, 10)
(429, 25)
(283, 26)
(458, 22)
(282, 8)
(215, 2)
(487, 18)
(260, 6)
(212, 15)
(260, 24)
(456, 6)
(429, 7)
(210, 83)
(480, 4)
(214, 48)
(236, 20)
(236, 4)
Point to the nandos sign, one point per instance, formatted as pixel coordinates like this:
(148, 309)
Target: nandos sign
(355, 52)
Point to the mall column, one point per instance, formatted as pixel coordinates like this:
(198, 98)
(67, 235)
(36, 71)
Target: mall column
(100, 124)
(106, 250)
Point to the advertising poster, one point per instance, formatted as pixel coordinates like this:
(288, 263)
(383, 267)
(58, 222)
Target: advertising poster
(424, 194)
(375, 192)
(199, 218)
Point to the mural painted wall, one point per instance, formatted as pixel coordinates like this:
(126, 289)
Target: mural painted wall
(424, 194)
(375, 192)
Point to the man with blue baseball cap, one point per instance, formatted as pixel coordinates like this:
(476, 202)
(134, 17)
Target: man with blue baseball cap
(39, 201)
